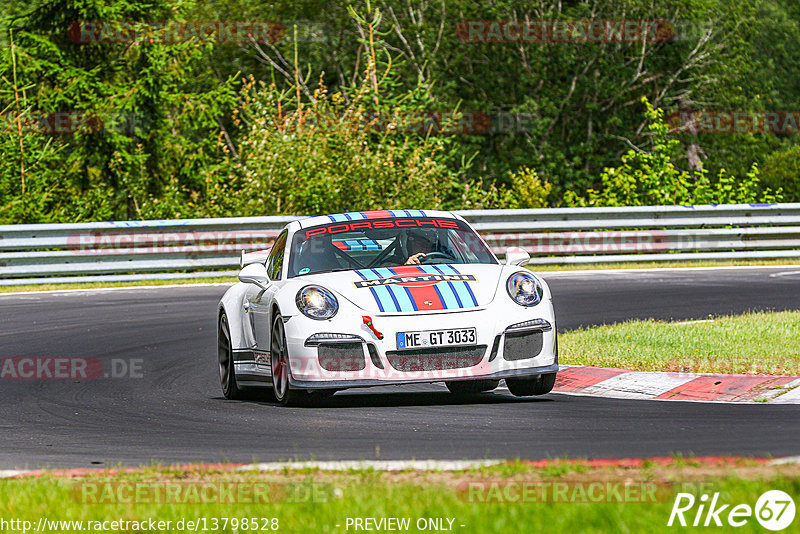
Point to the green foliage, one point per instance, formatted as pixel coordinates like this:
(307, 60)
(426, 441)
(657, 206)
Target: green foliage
(782, 169)
(527, 190)
(368, 147)
(330, 155)
(155, 109)
(648, 178)
(179, 135)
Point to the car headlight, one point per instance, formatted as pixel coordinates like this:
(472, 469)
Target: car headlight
(524, 289)
(317, 302)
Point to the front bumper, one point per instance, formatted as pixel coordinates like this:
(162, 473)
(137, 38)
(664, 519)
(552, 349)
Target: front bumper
(378, 358)
(364, 383)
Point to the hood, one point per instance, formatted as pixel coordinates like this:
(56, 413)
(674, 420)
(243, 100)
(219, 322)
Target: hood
(414, 288)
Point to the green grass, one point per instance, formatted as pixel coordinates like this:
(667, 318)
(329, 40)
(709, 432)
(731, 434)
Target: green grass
(132, 283)
(753, 343)
(337, 496)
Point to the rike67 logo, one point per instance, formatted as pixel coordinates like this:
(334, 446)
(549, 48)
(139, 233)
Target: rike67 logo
(774, 510)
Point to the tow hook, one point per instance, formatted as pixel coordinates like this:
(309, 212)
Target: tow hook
(368, 322)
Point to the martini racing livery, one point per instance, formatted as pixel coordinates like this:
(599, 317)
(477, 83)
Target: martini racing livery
(385, 297)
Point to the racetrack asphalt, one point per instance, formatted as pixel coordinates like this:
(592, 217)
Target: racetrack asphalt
(175, 412)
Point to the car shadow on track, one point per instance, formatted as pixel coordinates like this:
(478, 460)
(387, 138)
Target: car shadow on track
(361, 399)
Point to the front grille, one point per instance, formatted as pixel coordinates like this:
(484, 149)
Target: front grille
(341, 357)
(522, 346)
(436, 359)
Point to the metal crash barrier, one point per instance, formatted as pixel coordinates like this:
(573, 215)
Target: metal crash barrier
(199, 248)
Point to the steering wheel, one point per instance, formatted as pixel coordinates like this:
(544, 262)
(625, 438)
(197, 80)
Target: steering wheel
(436, 256)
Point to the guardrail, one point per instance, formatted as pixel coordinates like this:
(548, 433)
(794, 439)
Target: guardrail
(197, 248)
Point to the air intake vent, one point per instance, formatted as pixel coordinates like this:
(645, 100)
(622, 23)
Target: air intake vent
(438, 359)
(522, 346)
(342, 357)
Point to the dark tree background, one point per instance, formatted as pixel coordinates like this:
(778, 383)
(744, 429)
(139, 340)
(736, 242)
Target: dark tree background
(348, 105)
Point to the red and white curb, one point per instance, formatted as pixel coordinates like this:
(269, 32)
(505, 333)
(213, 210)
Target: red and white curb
(11, 473)
(411, 465)
(626, 384)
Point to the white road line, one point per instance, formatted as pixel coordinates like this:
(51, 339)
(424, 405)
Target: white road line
(578, 272)
(378, 465)
(787, 273)
(105, 289)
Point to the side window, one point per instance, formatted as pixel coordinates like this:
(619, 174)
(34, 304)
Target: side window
(275, 260)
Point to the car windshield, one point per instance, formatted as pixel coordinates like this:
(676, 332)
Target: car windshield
(366, 244)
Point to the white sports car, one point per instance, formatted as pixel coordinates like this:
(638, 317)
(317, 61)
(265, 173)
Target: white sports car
(385, 297)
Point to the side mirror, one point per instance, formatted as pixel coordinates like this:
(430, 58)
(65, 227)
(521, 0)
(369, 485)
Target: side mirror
(517, 256)
(255, 273)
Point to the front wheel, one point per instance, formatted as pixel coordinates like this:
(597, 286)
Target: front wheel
(227, 370)
(533, 385)
(470, 387)
(279, 359)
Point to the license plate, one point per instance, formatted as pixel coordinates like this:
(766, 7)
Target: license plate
(436, 338)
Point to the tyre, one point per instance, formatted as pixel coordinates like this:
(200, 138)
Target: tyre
(227, 370)
(469, 387)
(533, 385)
(279, 360)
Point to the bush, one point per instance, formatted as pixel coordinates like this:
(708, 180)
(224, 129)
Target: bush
(652, 179)
(782, 168)
(372, 147)
(333, 154)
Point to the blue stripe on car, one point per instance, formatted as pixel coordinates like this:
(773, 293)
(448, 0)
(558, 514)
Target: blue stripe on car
(393, 298)
(462, 289)
(399, 295)
(374, 293)
(357, 215)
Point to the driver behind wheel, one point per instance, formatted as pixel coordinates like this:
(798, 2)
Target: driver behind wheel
(418, 246)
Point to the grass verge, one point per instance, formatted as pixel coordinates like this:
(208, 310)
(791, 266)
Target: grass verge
(753, 343)
(519, 498)
(132, 283)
